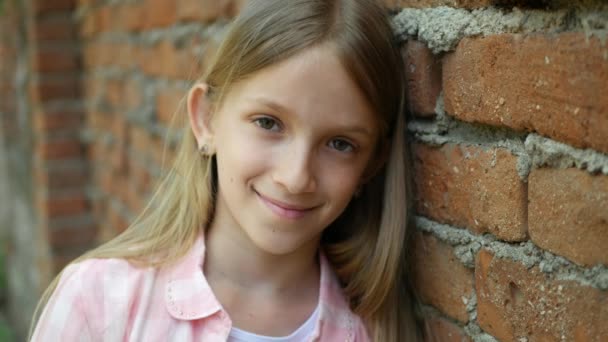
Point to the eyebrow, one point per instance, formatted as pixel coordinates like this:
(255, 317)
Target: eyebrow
(272, 104)
(280, 108)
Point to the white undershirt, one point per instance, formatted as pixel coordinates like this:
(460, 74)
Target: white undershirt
(301, 334)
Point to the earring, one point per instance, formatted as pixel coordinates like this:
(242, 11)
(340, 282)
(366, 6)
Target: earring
(204, 150)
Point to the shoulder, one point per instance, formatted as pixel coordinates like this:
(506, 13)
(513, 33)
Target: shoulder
(97, 272)
(96, 282)
(88, 295)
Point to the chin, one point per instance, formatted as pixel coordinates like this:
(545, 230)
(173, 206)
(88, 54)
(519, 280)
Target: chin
(275, 244)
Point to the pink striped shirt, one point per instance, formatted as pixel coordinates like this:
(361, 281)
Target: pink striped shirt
(112, 300)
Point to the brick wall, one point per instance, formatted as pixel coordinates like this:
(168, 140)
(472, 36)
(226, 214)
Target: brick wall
(508, 128)
(509, 134)
(140, 57)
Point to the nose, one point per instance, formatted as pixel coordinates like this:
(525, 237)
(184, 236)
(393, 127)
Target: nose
(295, 169)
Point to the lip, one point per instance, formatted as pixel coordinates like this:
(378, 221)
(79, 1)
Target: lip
(284, 210)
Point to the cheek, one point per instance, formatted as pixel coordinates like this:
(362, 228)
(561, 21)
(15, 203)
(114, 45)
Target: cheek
(343, 181)
(239, 157)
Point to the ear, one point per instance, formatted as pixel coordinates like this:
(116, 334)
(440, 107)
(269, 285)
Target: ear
(199, 113)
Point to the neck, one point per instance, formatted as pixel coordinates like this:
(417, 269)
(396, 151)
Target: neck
(231, 257)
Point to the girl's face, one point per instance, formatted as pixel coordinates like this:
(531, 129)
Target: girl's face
(292, 143)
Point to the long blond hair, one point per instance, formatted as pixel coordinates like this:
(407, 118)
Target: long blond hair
(367, 244)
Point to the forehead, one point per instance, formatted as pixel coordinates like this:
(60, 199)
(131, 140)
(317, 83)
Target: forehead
(313, 82)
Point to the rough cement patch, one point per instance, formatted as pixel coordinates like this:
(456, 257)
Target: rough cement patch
(476, 334)
(525, 252)
(466, 245)
(441, 28)
(546, 152)
(446, 130)
(471, 304)
(532, 150)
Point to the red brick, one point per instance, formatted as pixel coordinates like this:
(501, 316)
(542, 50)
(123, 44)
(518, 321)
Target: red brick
(568, 214)
(149, 59)
(132, 95)
(120, 187)
(139, 139)
(130, 17)
(55, 121)
(551, 84)
(105, 54)
(165, 59)
(60, 259)
(105, 180)
(45, 6)
(54, 29)
(117, 157)
(89, 26)
(99, 121)
(470, 4)
(98, 209)
(119, 128)
(84, 3)
(202, 10)
(94, 150)
(116, 221)
(444, 330)
(93, 88)
(54, 60)
(117, 54)
(439, 277)
(64, 178)
(105, 18)
(473, 187)
(114, 93)
(423, 73)
(63, 206)
(90, 55)
(59, 149)
(65, 88)
(167, 104)
(514, 302)
(159, 13)
(72, 236)
(124, 55)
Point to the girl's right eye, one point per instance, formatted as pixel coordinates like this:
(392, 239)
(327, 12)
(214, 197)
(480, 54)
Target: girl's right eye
(267, 123)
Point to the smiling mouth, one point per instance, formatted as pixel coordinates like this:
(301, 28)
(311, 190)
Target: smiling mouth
(284, 210)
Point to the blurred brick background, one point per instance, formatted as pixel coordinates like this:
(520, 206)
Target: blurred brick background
(508, 111)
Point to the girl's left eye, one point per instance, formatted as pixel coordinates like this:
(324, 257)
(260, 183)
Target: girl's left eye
(341, 145)
(267, 123)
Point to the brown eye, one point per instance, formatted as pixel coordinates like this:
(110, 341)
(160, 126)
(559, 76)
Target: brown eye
(267, 123)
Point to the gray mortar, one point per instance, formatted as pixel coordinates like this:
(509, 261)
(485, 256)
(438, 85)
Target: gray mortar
(546, 152)
(435, 133)
(466, 245)
(532, 150)
(179, 34)
(476, 334)
(441, 28)
(471, 305)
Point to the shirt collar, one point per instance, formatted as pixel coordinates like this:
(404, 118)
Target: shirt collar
(188, 295)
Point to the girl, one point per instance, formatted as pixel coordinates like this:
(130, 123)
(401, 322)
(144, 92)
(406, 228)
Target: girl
(294, 170)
